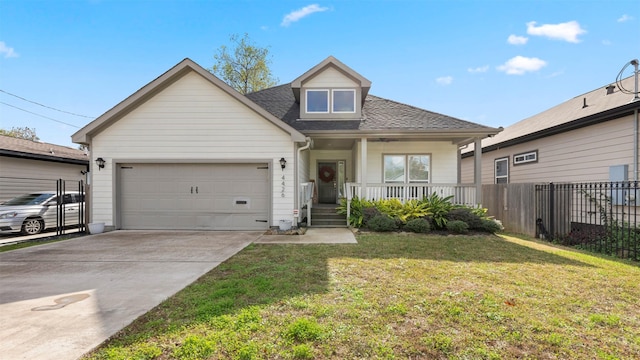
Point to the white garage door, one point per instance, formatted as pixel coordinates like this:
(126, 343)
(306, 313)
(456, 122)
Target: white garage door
(193, 196)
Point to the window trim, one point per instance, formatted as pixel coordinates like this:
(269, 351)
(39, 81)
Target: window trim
(495, 170)
(333, 110)
(524, 161)
(329, 95)
(407, 180)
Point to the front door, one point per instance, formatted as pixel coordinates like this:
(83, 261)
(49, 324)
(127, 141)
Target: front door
(327, 182)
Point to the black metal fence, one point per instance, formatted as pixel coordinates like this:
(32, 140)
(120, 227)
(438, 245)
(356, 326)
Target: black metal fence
(600, 217)
(67, 211)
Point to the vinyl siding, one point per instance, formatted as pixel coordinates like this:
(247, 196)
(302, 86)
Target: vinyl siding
(330, 78)
(192, 120)
(444, 168)
(580, 155)
(20, 176)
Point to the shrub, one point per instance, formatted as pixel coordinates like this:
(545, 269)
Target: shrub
(438, 208)
(467, 215)
(490, 226)
(458, 227)
(418, 226)
(356, 216)
(382, 223)
(368, 214)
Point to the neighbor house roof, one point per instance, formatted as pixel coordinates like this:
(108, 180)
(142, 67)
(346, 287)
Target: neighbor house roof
(379, 115)
(602, 104)
(29, 149)
(84, 135)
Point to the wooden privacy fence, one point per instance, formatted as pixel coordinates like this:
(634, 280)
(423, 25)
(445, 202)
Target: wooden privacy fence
(602, 217)
(513, 204)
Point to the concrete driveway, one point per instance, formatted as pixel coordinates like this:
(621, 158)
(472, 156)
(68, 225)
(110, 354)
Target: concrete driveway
(60, 300)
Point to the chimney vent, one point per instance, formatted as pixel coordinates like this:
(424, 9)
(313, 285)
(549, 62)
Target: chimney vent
(610, 89)
(584, 103)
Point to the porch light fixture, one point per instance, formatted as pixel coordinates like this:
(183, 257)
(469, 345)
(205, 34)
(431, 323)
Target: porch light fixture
(283, 163)
(100, 162)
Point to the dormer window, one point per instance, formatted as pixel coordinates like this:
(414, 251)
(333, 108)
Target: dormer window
(344, 101)
(341, 101)
(318, 101)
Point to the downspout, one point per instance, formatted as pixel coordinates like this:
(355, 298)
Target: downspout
(297, 183)
(635, 145)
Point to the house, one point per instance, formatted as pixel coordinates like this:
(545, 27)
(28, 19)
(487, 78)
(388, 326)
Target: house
(591, 137)
(27, 165)
(187, 151)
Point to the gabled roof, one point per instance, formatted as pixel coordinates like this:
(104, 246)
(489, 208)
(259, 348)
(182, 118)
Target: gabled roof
(28, 149)
(569, 115)
(336, 64)
(380, 116)
(84, 135)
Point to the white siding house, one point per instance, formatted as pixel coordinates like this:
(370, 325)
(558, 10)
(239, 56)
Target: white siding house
(189, 152)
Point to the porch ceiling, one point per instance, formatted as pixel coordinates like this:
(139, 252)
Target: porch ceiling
(341, 143)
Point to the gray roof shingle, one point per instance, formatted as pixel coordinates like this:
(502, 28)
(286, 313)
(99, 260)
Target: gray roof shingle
(16, 146)
(378, 114)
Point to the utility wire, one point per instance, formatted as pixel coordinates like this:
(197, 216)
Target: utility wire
(48, 107)
(46, 117)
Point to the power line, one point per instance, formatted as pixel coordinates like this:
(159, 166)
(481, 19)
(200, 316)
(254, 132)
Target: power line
(48, 107)
(46, 117)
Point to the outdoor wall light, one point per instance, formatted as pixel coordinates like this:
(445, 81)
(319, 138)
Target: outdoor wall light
(100, 162)
(283, 163)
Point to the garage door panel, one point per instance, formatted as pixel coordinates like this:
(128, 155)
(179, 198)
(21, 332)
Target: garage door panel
(194, 196)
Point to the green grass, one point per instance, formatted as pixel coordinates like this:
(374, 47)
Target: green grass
(397, 297)
(31, 243)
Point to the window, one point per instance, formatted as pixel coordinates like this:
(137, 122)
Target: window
(399, 168)
(317, 101)
(528, 157)
(341, 101)
(344, 101)
(502, 170)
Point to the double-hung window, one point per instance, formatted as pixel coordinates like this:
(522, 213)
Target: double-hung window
(502, 170)
(407, 168)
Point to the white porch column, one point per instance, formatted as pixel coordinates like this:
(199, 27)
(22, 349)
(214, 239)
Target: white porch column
(363, 168)
(477, 167)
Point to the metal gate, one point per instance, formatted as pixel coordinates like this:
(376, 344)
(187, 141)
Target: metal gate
(600, 217)
(69, 203)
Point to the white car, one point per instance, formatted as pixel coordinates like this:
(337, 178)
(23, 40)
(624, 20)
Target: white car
(31, 213)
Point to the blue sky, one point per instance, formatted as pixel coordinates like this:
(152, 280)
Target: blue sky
(490, 62)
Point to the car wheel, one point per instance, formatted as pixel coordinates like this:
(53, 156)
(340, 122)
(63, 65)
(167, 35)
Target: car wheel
(32, 226)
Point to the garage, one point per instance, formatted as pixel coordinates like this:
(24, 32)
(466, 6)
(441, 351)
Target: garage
(164, 196)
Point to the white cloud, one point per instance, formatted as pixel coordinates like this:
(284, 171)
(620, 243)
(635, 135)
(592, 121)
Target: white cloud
(300, 13)
(444, 80)
(606, 42)
(517, 40)
(625, 18)
(568, 31)
(520, 65)
(7, 51)
(479, 69)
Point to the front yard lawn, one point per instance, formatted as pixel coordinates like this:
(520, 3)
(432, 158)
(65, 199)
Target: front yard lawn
(397, 296)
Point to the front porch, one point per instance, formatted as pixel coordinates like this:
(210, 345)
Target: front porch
(461, 194)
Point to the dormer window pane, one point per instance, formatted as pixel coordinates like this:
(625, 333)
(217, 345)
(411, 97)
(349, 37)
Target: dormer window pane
(317, 101)
(344, 101)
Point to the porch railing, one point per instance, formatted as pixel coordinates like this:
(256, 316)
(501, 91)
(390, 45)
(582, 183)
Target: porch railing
(463, 194)
(306, 198)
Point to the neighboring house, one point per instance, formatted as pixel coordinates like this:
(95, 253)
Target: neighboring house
(187, 151)
(27, 165)
(592, 137)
